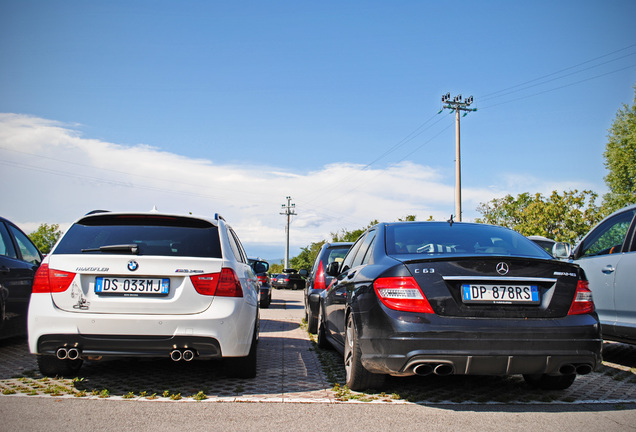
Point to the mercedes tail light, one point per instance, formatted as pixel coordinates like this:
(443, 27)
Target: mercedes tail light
(224, 284)
(319, 281)
(583, 302)
(402, 293)
(49, 280)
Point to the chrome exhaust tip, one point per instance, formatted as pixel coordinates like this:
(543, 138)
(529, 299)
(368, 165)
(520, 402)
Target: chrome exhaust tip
(188, 355)
(72, 354)
(423, 369)
(176, 355)
(444, 369)
(61, 353)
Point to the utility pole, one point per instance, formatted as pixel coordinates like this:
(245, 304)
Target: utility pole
(289, 211)
(457, 105)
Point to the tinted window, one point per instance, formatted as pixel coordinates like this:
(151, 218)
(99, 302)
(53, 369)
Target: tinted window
(335, 255)
(430, 238)
(154, 235)
(237, 248)
(347, 263)
(6, 245)
(364, 249)
(28, 250)
(609, 236)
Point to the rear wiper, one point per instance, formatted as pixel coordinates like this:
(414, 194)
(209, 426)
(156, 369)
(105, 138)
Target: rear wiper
(124, 248)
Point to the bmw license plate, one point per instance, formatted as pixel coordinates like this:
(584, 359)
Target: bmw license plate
(132, 287)
(500, 294)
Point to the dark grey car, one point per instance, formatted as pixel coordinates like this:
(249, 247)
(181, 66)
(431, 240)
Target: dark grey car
(319, 280)
(19, 260)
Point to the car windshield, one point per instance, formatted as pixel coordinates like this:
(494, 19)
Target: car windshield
(431, 238)
(142, 235)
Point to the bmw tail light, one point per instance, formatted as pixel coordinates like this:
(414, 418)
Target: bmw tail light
(402, 293)
(262, 279)
(49, 280)
(319, 281)
(583, 302)
(205, 284)
(224, 284)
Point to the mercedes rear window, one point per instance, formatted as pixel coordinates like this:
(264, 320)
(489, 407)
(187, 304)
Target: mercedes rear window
(436, 239)
(150, 235)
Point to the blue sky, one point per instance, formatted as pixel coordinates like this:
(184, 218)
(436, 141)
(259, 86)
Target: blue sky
(209, 106)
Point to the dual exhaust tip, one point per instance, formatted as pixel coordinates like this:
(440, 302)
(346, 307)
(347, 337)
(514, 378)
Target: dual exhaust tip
(441, 369)
(580, 369)
(64, 353)
(182, 354)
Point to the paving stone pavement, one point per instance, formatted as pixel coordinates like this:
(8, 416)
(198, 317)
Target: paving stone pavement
(290, 369)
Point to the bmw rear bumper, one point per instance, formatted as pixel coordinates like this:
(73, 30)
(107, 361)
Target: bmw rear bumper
(223, 330)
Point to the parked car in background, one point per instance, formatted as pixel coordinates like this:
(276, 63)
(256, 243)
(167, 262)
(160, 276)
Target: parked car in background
(261, 267)
(291, 278)
(145, 285)
(607, 254)
(318, 280)
(545, 243)
(416, 298)
(19, 260)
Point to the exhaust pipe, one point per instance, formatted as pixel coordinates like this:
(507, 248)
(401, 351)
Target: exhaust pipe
(443, 369)
(176, 355)
(188, 355)
(61, 353)
(583, 369)
(423, 369)
(72, 354)
(567, 369)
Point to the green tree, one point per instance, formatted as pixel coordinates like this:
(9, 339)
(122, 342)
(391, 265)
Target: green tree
(351, 236)
(620, 160)
(565, 217)
(305, 259)
(45, 237)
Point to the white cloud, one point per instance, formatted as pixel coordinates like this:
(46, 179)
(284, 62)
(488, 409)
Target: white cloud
(57, 175)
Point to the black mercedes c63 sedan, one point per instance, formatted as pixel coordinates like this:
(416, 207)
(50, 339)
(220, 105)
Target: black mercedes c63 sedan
(415, 298)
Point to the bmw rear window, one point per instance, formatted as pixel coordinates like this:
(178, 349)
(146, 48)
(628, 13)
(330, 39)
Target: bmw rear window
(150, 234)
(435, 239)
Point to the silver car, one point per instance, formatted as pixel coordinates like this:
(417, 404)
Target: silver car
(607, 254)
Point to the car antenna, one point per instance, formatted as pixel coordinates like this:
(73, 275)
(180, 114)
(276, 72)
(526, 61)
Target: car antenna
(451, 221)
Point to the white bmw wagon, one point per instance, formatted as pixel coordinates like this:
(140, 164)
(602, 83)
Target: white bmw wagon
(145, 285)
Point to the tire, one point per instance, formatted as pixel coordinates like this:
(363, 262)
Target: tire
(550, 382)
(357, 377)
(312, 323)
(51, 366)
(265, 303)
(322, 334)
(243, 367)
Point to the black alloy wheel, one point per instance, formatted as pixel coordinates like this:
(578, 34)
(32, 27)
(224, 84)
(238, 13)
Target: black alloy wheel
(357, 377)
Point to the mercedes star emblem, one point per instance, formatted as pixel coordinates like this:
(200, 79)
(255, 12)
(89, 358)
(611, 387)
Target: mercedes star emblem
(502, 268)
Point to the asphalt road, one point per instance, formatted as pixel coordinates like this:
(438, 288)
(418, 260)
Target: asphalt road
(292, 392)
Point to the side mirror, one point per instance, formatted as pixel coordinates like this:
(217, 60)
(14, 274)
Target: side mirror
(260, 266)
(562, 250)
(303, 273)
(333, 269)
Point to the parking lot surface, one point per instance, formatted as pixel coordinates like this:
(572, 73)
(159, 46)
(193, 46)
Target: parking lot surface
(292, 369)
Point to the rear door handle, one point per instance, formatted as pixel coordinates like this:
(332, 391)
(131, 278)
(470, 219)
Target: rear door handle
(608, 269)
